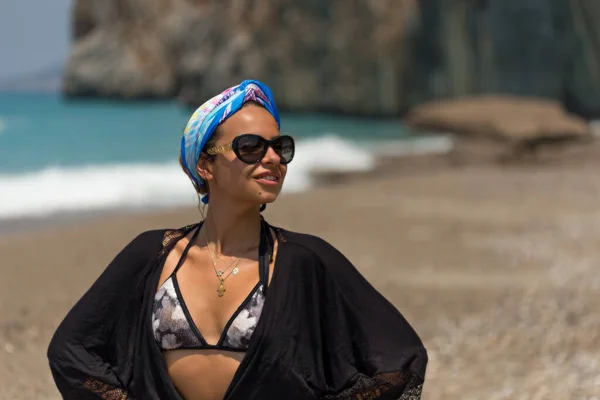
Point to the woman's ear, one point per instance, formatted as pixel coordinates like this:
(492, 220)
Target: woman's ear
(204, 168)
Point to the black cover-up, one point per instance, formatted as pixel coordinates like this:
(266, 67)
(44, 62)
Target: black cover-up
(324, 332)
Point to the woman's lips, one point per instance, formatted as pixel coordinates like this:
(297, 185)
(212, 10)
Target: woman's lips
(267, 179)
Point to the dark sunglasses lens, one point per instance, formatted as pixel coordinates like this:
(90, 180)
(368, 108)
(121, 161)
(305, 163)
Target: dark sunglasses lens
(251, 148)
(284, 148)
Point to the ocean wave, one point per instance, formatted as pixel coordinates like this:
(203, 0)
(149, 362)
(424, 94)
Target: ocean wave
(327, 153)
(54, 190)
(438, 144)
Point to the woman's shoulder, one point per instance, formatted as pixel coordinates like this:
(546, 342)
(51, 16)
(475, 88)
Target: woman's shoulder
(306, 242)
(315, 251)
(156, 239)
(151, 236)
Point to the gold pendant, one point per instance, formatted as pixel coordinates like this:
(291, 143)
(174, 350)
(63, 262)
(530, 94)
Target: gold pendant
(221, 289)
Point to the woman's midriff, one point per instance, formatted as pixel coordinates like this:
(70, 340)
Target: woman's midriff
(202, 374)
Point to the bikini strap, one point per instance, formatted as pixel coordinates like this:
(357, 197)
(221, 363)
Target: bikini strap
(187, 248)
(265, 253)
(270, 243)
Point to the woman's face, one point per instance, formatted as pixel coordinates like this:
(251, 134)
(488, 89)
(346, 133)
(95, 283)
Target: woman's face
(230, 177)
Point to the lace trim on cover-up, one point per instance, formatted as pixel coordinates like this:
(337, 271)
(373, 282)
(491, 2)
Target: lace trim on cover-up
(104, 390)
(401, 385)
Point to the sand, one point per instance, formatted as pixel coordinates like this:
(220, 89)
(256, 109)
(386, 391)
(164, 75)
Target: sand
(497, 268)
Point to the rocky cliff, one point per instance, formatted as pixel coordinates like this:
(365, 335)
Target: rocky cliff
(537, 48)
(337, 55)
(376, 57)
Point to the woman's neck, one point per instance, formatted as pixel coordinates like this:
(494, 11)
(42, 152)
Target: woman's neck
(232, 230)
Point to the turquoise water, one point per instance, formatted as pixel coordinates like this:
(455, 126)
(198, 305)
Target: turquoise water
(71, 156)
(42, 130)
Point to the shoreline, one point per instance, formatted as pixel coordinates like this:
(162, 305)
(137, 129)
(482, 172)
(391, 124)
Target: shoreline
(69, 219)
(386, 155)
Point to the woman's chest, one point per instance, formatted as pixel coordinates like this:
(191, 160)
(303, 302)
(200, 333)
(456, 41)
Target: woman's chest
(212, 304)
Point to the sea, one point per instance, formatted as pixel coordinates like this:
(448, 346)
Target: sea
(60, 156)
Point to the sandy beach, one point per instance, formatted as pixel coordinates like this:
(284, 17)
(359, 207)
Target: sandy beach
(496, 267)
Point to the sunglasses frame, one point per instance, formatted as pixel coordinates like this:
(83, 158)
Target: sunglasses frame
(234, 146)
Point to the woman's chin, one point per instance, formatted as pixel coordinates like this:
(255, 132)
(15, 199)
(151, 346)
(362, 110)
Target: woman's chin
(266, 197)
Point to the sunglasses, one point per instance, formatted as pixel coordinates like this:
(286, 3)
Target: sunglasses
(251, 148)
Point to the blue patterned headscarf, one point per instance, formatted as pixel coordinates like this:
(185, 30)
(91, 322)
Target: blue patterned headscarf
(209, 115)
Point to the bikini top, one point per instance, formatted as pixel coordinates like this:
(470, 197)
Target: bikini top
(173, 325)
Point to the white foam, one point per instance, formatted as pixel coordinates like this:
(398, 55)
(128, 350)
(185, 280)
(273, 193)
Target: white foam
(328, 153)
(440, 144)
(55, 190)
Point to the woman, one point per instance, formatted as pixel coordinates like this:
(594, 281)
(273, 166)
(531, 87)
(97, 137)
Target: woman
(233, 307)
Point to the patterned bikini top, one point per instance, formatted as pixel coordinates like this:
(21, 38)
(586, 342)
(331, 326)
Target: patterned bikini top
(174, 327)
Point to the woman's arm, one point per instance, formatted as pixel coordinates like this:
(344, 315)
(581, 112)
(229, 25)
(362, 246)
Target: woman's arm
(373, 352)
(78, 350)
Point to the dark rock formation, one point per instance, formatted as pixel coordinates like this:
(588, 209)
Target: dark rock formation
(539, 48)
(337, 55)
(374, 57)
(120, 48)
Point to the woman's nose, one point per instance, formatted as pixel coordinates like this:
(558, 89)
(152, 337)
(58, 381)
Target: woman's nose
(271, 157)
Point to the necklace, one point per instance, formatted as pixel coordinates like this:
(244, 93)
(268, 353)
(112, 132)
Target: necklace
(220, 273)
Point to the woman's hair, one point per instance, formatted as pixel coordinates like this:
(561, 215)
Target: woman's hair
(212, 142)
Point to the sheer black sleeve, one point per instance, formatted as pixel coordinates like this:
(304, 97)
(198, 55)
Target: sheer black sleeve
(77, 354)
(371, 351)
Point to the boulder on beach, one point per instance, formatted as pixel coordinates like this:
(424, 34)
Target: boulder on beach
(512, 124)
